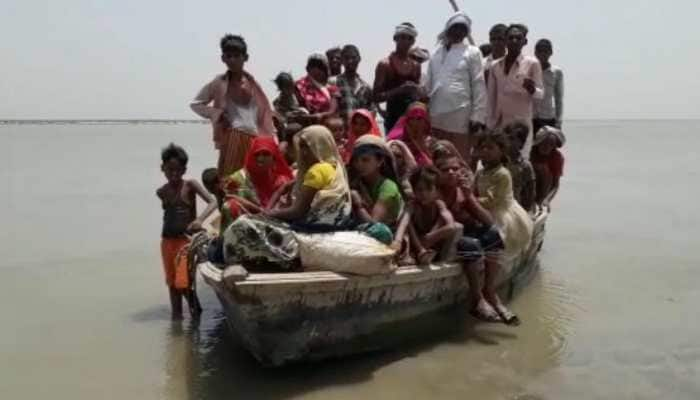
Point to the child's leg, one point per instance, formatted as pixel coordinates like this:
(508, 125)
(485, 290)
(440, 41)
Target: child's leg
(543, 181)
(193, 302)
(492, 270)
(175, 303)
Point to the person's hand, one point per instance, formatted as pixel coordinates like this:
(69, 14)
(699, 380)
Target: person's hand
(395, 245)
(357, 201)
(195, 226)
(465, 183)
(529, 85)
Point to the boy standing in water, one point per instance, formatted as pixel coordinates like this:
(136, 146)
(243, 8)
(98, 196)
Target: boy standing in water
(178, 197)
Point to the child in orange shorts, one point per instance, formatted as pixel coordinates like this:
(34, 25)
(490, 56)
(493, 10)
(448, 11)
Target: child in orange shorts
(178, 197)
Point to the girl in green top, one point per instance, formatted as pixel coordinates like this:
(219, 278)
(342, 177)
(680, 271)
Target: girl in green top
(376, 195)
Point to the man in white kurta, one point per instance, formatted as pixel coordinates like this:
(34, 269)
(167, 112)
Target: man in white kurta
(456, 87)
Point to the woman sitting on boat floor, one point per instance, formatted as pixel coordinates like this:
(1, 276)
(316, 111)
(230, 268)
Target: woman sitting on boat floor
(413, 128)
(361, 122)
(321, 203)
(259, 184)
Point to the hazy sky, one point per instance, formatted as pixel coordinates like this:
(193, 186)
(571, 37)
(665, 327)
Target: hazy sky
(147, 58)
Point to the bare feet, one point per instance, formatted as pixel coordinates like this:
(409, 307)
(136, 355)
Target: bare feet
(426, 257)
(484, 312)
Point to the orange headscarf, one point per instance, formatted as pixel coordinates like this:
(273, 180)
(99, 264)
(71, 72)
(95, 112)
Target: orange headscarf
(267, 180)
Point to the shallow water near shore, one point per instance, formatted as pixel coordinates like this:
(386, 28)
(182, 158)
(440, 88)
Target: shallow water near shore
(612, 312)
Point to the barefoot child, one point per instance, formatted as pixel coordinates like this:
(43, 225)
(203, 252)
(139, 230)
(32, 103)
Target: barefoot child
(429, 223)
(178, 197)
(495, 194)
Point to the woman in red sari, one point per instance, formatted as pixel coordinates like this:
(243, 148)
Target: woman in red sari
(360, 123)
(257, 185)
(240, 110)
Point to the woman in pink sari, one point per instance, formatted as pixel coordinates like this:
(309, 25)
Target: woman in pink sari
(414, 130)
(236, 105)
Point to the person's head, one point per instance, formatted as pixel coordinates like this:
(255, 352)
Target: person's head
(424, 181)
(337, 127)
(457, 32)
(315, 144)
(405, 37)
(174, 162)
(548, 139)
(360, 124)
(443, 149)
(485, 49)
(516, 38)
(451, 168)
(404, 160)
(334, 60)
(417, 122)
(497, 38)
(350, 56)
(285, 83)
(517, 133)
(544, 51)
(493, 149)
(317, 68)
(367, 161)
(288, 147)
(211, 182)
(419, 55)
(234, 52)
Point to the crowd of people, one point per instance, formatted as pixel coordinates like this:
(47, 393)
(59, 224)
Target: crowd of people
(469, 153)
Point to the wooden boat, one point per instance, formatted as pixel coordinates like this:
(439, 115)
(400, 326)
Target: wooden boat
(287, 317)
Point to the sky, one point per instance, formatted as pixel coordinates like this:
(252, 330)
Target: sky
(79, 59)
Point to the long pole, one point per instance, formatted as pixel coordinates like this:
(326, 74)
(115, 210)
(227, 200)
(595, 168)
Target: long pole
(455, 8)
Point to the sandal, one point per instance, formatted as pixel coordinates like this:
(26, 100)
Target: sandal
(483, 312)
(508, 317)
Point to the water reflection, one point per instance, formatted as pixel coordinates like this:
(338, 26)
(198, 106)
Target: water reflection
(203, 361)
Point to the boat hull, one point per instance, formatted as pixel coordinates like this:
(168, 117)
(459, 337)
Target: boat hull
(289, 317)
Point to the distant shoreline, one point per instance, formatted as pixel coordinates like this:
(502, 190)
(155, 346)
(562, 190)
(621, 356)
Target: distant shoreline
(204, 121)
(100, 121)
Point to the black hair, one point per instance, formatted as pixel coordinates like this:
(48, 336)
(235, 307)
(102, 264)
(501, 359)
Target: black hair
(283, 77)
(316, 63)
(518, 129)
(498, 29)
(334, 49)
(426, 174)
(546, 43)
(210, 175)
(348, 48)
(500, 140)
(521, 27)
(486, 49)
(231, 43)
(176, 152)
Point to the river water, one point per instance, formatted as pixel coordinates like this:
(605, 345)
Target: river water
(612, 313)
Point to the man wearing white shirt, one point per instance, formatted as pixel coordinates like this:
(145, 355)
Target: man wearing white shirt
(456, 87)
(497, 40)
(550, 110)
